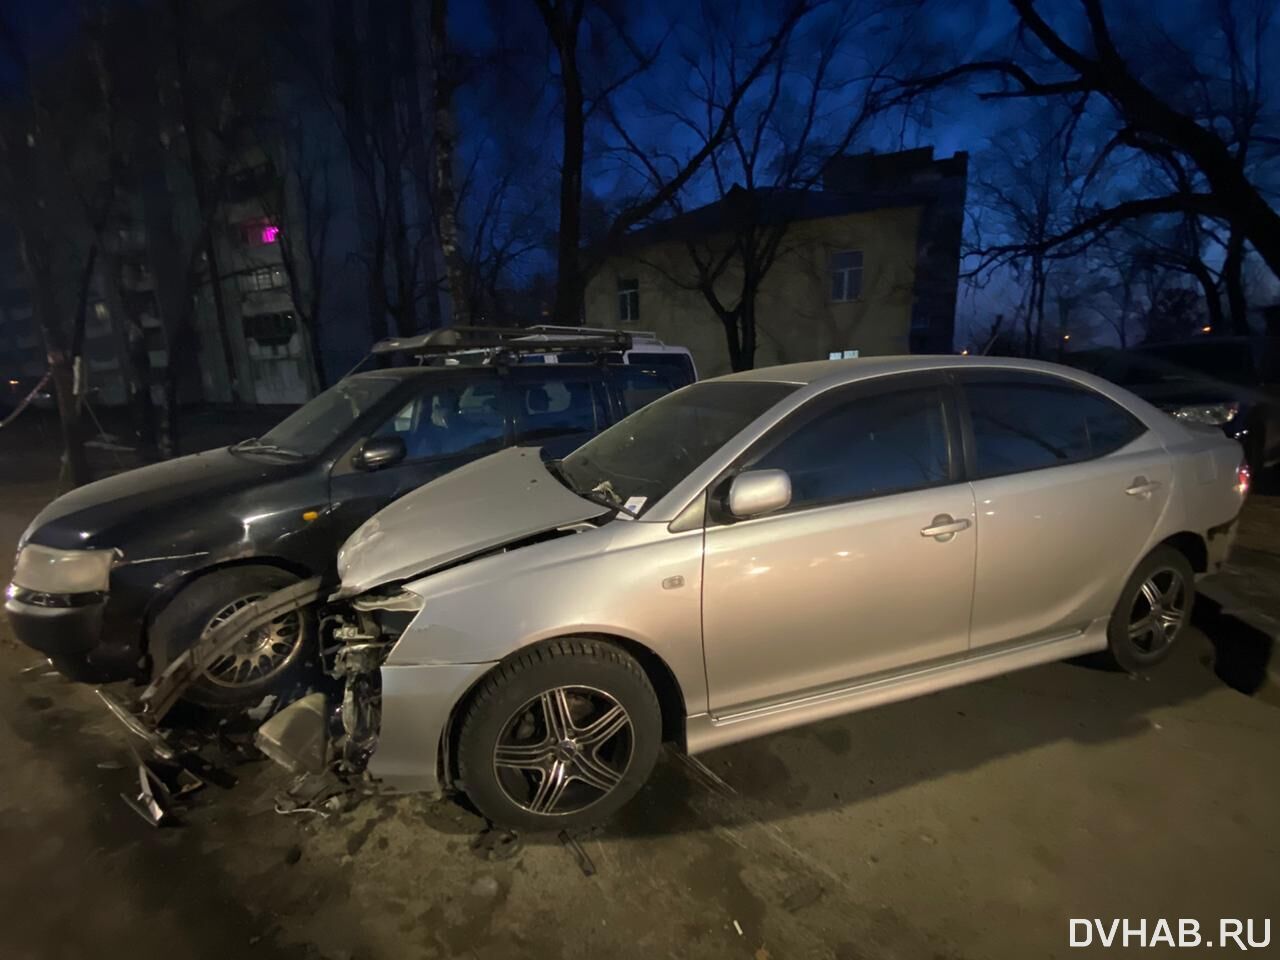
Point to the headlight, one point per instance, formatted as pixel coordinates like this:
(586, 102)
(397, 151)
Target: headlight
(49, 570)
(1214, 414)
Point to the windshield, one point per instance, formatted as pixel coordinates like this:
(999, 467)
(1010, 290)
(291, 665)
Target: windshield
(1173, 362)
(310, 429)
(656, 447)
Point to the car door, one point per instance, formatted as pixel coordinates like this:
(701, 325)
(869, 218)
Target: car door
(447, 420)
(1069, 487)
(557, 406)
(850, 580)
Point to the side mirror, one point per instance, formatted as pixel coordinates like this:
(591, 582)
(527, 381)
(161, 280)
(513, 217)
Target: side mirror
(757, 492)
(379, 452)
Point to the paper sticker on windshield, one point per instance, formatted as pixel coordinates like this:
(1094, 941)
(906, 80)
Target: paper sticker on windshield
(634, 504)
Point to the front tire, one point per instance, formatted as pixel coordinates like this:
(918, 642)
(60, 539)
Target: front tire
(559, 736)
(1153, 610)
(262, 663)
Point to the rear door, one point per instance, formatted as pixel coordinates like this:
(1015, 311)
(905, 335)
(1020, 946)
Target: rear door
(447, 420)
(1068, 488)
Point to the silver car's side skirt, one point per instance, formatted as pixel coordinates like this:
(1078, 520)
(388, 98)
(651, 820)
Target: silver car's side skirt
(706, 732)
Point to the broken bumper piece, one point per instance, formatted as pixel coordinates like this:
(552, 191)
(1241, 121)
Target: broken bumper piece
(297, 737)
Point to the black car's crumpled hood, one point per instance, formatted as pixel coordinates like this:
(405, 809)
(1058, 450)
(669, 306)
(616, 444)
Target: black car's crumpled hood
(77, 519)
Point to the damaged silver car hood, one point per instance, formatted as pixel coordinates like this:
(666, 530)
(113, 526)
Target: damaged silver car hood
(492, 501)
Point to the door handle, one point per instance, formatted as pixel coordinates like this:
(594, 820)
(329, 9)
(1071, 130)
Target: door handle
(944, 527)
(1142, 487)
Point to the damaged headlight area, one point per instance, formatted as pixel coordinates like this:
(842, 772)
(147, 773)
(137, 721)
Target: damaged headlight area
(338, 730)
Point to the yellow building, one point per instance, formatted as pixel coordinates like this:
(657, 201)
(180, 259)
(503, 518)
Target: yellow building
(869, 267)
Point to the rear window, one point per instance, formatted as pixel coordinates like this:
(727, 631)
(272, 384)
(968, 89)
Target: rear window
(676, 365)
(556, 406)
(637, 388)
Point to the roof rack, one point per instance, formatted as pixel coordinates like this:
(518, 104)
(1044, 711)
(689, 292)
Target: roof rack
(637, 336)
(509, 339)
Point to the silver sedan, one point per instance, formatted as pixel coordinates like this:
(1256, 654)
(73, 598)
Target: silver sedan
(764, 550)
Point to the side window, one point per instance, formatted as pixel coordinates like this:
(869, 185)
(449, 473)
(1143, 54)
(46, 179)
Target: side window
(677, 366)
(628, 300)
(450, 420)
(846, 275)
(867, 447)
(637, 387)
(556, 406)
(1027, 422)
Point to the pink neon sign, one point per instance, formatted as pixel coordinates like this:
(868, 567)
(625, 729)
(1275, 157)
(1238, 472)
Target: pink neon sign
(270, 233)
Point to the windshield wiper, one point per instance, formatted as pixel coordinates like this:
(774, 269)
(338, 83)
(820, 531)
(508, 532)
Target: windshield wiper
(602, 493)
(254, 445)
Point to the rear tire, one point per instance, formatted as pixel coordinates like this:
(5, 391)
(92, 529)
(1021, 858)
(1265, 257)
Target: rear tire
(559, 736)
(262, 664)
(1152, 612)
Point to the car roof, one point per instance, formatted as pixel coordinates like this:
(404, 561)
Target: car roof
(834, 372)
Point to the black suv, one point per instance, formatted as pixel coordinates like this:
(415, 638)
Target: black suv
(115, 579)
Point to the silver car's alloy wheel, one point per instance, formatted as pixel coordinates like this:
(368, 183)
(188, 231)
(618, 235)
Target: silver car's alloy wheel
(1158, 612)
(261, 654)
(563, 750)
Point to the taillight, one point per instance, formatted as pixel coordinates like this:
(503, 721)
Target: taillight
(1243, 476)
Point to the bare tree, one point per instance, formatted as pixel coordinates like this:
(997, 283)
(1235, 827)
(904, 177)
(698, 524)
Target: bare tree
(444, 76)
(600, 28)
(817, 96)
(369, 79)
(1152, 95)
(1021, 199)
(297, 193)
(44, 137)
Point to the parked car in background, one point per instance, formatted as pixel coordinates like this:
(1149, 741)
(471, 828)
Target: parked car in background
(115, 579)
(755, 552)
(1228, 382)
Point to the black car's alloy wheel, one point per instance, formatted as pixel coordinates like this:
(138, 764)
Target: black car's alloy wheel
(263, 662)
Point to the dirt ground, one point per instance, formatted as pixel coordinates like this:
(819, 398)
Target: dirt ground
(973, 823)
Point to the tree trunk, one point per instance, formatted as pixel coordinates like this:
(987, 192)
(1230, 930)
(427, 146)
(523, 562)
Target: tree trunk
(317, 361)
(1233, 281)
(733, 339)
(446, 200)
(1212, 299)
(567, 308)
(172, 433)
(140, 400)
(204, 202)
(747, 314)
(82, 307)
(44, 308)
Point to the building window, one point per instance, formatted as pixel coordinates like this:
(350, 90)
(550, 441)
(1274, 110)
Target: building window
(270, 329)
(258, 233)
(846, 275)
(628, 300)
(262, 278)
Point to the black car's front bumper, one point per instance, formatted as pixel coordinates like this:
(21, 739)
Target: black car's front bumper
(79, 633)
